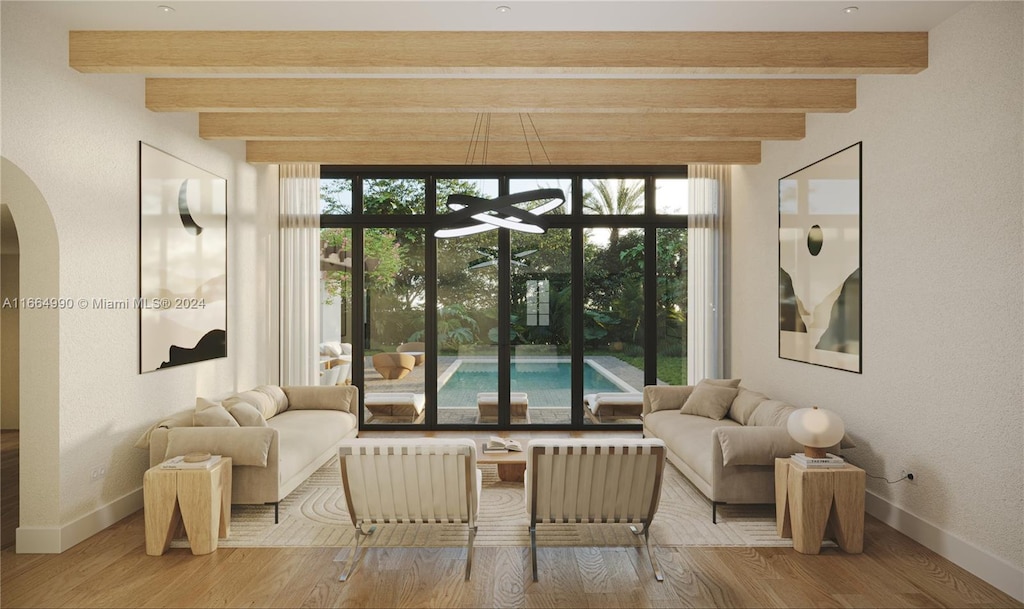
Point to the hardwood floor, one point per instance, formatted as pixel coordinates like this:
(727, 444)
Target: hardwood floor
(111, 569)
(8, 486)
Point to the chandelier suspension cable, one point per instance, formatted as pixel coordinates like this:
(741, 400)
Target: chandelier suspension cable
(539, 141)
(474, 139)
(487, 137)
(526, 139)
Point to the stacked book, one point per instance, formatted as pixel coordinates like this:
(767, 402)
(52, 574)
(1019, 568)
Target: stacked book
(502, 445)
(829, 461)
(181, 463)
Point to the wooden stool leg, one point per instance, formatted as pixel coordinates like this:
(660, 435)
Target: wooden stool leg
(847, 519)
(225, 501)
(812, 499)
(199, 498)
(163, 517)
(783, 519)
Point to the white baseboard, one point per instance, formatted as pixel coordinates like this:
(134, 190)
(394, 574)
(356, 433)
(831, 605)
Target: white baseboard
(986, 566)
(54, 540)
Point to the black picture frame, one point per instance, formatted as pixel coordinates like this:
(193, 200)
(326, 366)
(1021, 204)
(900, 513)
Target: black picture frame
(820, 262)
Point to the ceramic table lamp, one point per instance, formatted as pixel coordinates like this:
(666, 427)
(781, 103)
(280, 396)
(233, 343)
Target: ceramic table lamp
(815, 428)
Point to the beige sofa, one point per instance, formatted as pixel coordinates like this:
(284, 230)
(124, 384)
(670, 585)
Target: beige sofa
(276, 436)
(727, 448)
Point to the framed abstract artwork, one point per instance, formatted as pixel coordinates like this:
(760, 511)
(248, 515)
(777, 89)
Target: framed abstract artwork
(820, 262)
(182, 262)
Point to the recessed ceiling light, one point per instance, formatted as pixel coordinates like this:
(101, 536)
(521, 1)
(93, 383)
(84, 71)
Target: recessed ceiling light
(166, 9)
(850, 10)
(504, 9)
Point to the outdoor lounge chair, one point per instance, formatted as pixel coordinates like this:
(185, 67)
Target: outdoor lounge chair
(421, 480)
(409, 405)
(415, 349)
(604, 406)
(487, 406)
(393, 366)
(594, 481)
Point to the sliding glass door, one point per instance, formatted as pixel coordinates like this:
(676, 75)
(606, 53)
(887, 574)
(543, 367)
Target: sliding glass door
(500, 328)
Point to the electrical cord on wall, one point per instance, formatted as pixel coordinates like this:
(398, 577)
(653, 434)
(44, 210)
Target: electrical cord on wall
(906, 476)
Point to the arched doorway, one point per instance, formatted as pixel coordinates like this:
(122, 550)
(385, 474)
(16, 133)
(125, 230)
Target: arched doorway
(38, 362)
(9, 383)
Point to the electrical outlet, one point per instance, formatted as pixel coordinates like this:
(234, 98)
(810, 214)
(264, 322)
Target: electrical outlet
(907, 475)
(98, 472)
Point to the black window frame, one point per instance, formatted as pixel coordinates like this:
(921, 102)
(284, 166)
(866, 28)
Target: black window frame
(576, 221)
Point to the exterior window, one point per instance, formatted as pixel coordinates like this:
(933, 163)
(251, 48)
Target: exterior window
(501, 328)
(613, 197)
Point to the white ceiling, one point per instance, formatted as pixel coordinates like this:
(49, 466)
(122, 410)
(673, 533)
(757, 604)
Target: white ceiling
(554, 15)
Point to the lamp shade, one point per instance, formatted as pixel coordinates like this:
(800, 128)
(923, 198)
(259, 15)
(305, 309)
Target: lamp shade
(815, 428)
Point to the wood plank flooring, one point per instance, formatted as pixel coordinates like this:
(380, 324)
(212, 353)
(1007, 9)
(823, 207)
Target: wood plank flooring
(111, 569)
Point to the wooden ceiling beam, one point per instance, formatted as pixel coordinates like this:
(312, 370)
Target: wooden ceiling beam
(381, 127)
(499, 95)
(213, 52)
(504, 153)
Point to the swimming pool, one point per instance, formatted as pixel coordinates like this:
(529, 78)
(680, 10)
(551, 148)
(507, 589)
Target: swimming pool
(546, 380)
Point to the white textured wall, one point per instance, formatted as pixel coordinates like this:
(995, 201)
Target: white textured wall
(76, 136)
(943, 252)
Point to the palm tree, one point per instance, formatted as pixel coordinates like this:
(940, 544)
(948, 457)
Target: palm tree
(627, 198)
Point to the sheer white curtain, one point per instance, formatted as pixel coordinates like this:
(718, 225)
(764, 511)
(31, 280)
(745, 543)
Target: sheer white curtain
(709, 196)
(300, 273)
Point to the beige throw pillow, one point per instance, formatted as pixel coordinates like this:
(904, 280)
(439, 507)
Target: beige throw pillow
(212, 414)
(710, 400)
(247, 415)
(722, 382)
(745, 404)
(276, 394)
(665, 397)
(262, 401)
(772, 413)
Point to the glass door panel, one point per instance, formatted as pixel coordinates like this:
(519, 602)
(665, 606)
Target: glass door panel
(541, 327)
(671, 307)
(335, 362)
(394, 314)
(613, 319)
(467, 329)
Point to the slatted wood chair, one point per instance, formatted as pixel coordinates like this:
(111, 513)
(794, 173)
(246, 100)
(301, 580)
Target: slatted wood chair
(422, 480)
(594, 481)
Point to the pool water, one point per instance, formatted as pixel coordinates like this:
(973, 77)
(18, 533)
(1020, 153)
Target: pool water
(547, 383)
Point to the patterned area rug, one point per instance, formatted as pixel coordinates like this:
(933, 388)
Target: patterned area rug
(315, 515)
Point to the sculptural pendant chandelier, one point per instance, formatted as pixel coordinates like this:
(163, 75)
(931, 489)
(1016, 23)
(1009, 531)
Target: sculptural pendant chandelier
(471, 214)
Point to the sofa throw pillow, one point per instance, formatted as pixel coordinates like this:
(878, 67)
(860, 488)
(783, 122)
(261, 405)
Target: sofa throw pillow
(744, 405)
(276, 394)
(709, 400)
(330, 349)
(247, 415)
(772, 413)
(262, 401)
(212, 414)
(722, 382)
(664, 397)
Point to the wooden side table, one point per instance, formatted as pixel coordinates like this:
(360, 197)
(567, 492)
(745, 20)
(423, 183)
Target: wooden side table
(814, 504)
(198, 498)
(511, 465)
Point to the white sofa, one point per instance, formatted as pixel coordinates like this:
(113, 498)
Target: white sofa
(727, 450)
(276, 436)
